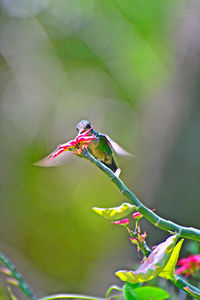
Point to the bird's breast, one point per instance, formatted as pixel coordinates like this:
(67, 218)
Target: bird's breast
(96, 150)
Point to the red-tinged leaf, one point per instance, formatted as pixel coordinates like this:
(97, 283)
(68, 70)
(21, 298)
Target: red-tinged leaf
(12, 280)
(5, 271)
(153, 265)
(115, 213)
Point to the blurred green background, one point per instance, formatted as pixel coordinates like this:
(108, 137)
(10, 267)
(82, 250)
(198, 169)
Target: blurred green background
(132, 68)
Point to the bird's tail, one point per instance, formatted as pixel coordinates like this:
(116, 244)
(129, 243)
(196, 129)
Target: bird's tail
(117, 172)
(113, 167)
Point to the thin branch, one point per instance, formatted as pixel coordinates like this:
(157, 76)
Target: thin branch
(17, 276)
(141, 244)
(111, 288)
(70, 296)
(182, 284)
(185, 232)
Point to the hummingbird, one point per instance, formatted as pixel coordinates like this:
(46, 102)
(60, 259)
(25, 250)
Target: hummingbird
(101, 147)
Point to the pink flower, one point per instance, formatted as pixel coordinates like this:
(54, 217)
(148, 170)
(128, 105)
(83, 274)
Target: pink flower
(137, 215)
(189, 265)
(138, 240)
(122, 222)
(77, 145)
(142, 237)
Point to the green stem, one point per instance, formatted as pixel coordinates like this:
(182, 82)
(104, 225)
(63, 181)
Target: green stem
(69, 296)
(185, 232)
(181, 283)
(16, 275)
(111, 288)
(144, 248)
(142, 245)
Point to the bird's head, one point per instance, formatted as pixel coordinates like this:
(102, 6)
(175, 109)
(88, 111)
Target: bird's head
(83, 126)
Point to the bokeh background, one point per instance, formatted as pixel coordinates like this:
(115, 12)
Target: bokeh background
(132, 68)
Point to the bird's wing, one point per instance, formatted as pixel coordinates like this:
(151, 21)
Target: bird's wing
(117, 148)
(56, 158)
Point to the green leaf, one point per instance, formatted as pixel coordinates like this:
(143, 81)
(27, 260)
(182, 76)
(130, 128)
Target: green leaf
(153, 265)
(133, 292)
(115, 213)
(193, 247)
(169, 269)
(150, 292)
(128, 290)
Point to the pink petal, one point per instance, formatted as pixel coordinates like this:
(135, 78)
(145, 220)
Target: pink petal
(121, 222)
(136, 215)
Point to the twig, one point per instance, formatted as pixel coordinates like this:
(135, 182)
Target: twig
(182, 284)
(70, 296)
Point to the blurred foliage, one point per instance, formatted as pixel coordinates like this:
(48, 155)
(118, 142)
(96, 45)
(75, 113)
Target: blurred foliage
(2, 294)
(193, 247)
(63, 61)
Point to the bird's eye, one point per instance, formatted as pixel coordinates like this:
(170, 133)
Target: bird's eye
(88, 126)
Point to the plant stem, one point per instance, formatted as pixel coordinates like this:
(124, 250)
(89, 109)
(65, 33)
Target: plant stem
(16, 275)
(182, 283)
(185, 232)
(111, 288)
(69, 296)
(141, 244)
